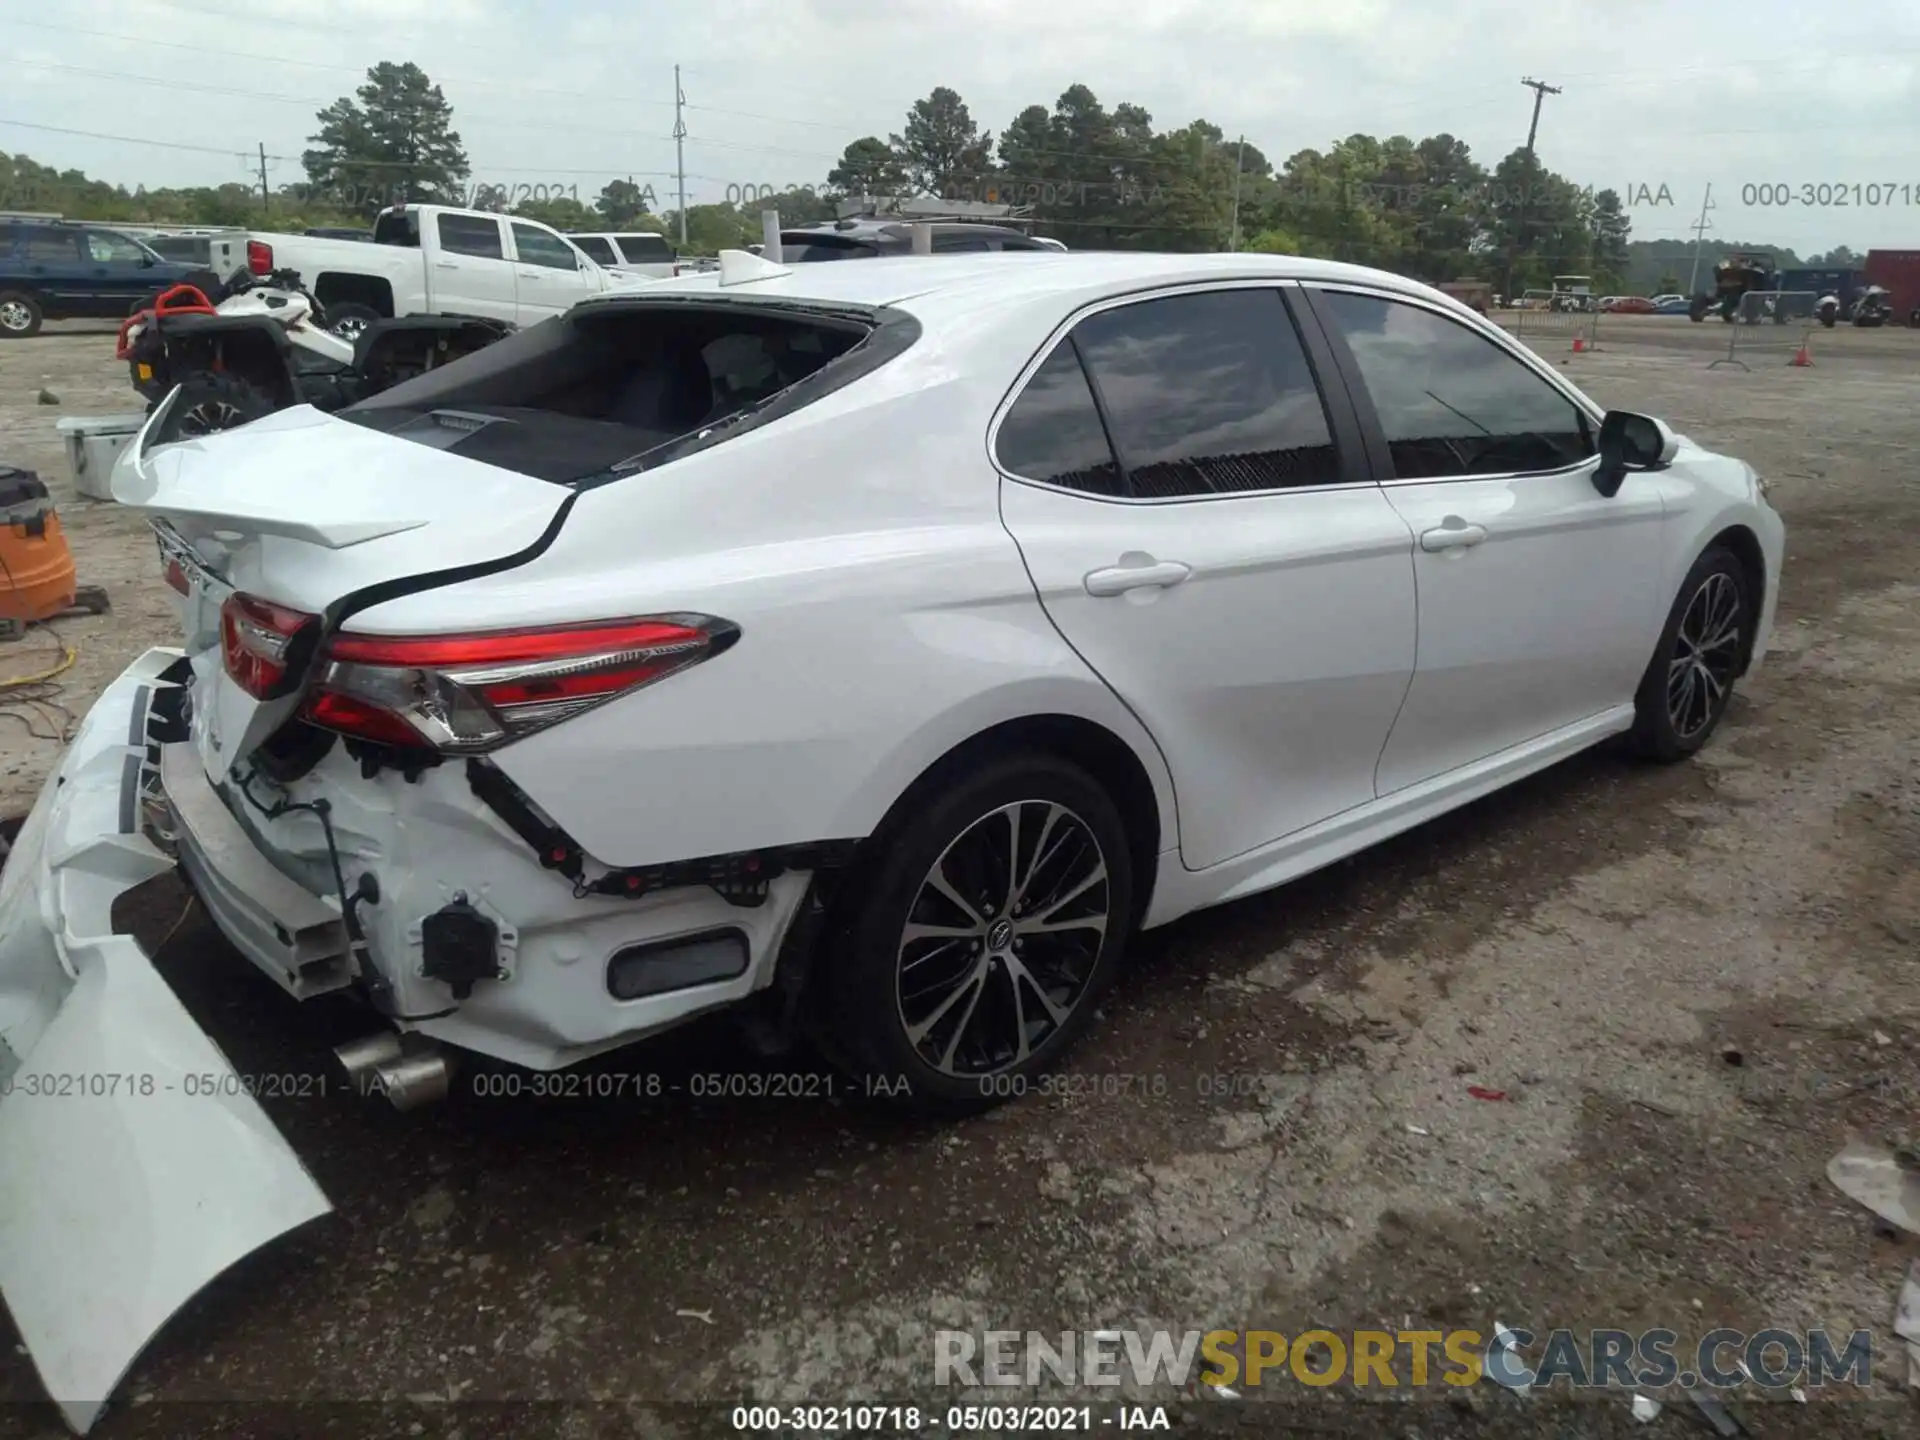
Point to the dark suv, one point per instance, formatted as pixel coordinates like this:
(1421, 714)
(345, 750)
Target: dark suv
(68, 270)
(868, 239)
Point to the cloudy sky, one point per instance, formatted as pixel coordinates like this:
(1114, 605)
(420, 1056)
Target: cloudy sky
(1658, 100)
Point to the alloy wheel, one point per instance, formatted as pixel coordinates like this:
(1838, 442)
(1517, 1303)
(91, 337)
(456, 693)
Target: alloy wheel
(210, 417)
(1706, 653)
(1002, 939)
(14, 315)
(350, 329)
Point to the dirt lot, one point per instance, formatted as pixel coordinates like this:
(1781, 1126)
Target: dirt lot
(1599, 944)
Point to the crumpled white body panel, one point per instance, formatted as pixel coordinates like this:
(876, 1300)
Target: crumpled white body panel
(133, 1167)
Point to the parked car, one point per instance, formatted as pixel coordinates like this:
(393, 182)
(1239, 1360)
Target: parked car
(632, 252)
(1672, 305)
(811, 644)
(869, 239)
(434, 259)
(68, 270)
(1629, 305)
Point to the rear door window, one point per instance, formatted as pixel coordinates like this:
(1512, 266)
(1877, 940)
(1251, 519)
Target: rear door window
(599, 249)
(535, 246)
(1053, 433)
(476, 235)
(49, 246)
(1209, 394)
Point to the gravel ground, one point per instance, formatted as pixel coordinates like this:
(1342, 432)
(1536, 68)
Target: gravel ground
(1233, 1148)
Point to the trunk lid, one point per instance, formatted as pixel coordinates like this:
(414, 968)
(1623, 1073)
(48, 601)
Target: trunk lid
(320, 515)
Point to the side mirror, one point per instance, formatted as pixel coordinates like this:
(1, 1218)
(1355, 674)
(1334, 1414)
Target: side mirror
(1631, 442)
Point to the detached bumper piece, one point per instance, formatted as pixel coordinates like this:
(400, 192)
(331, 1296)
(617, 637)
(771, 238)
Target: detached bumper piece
(741, 879)
(134, 1165)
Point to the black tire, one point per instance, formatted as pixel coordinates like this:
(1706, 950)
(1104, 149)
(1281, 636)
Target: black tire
(20, 315)
(1675, 716)
(350, 319)
(210, 404)
(860, 1010)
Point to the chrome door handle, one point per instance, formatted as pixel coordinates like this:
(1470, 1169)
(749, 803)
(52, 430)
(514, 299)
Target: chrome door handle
(1119, 579)
(1452, 537)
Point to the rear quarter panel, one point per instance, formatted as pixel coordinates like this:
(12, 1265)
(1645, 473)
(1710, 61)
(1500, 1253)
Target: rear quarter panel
(886, 617)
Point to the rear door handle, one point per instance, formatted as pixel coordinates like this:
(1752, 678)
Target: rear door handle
(446, 265)
(1143, 573)
(1452, 537)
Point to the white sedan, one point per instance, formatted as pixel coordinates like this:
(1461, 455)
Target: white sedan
(876, 648)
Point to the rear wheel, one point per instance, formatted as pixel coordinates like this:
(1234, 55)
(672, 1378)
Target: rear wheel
(350, 320)
(990, 922)
(209, 404)
(1689, 681)
(19, 315)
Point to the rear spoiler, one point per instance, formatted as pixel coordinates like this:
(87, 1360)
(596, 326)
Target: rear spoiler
(136, 482)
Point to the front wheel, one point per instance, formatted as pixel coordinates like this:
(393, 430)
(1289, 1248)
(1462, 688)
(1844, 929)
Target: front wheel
(19, 315)
(209, 404)
(986, 930)
(1689, 681)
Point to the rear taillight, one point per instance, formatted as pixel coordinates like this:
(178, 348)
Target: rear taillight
(470, 693)
(177, 577)
(259, 257)
(254, 635)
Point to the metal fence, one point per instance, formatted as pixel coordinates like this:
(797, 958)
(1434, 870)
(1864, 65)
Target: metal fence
(1541, 330)
(1776, 320)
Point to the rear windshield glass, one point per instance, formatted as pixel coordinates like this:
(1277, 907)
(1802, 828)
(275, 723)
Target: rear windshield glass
(646, 249)
(824, 247)
(598, 248)
(397, 227)
(609, 389)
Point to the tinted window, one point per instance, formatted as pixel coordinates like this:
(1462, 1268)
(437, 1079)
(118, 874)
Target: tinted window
(402, 227)
(104, 247)
(535, 246)
(598, 248)
(953, 244)
(1053, 432)
(471, 235)
(1209, 394)
(646, 250)
(1452, 402)
(47, 246)
(815, 248)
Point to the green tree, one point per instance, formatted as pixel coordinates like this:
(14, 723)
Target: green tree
(621, 203)
(397, 143)
(941, 146)
(1668, 283)
(564, 214)
(1611, 232)
(867, 167)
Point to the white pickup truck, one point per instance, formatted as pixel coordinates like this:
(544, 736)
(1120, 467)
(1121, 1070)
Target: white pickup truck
(434, 259)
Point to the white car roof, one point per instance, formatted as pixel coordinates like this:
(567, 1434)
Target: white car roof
(938, 284)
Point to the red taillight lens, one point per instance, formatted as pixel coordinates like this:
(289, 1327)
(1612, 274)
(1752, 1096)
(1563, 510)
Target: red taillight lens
(259, 257)
(469, 693)
(254, 634)
(177, 577)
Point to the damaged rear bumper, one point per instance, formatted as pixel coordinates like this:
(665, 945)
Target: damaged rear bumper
(134, 1167)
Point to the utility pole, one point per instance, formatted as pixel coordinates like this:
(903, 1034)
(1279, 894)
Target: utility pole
(1700, 228)
(1239, 163)
(1540, 92)
(265, 203)
(680, 150)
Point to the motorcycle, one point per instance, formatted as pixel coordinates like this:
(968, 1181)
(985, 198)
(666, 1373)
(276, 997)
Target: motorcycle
(260, 343)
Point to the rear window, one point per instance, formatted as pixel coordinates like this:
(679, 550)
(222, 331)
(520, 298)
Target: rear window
(599, 249)
(610, 389)
(397, 227)
(476, 235)
(800, 248)
(646, 250)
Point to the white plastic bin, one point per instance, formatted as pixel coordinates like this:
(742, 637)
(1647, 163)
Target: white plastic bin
(93, 443)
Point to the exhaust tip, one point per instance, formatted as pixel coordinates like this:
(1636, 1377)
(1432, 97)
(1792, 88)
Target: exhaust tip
(360, 1058)
(413, 1081)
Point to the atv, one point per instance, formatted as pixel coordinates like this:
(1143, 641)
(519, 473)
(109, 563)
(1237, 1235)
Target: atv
(258, 344)
(1874, 308)
(1733, 279)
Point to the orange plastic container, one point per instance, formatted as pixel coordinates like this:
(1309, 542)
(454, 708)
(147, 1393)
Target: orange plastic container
(36, 567)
